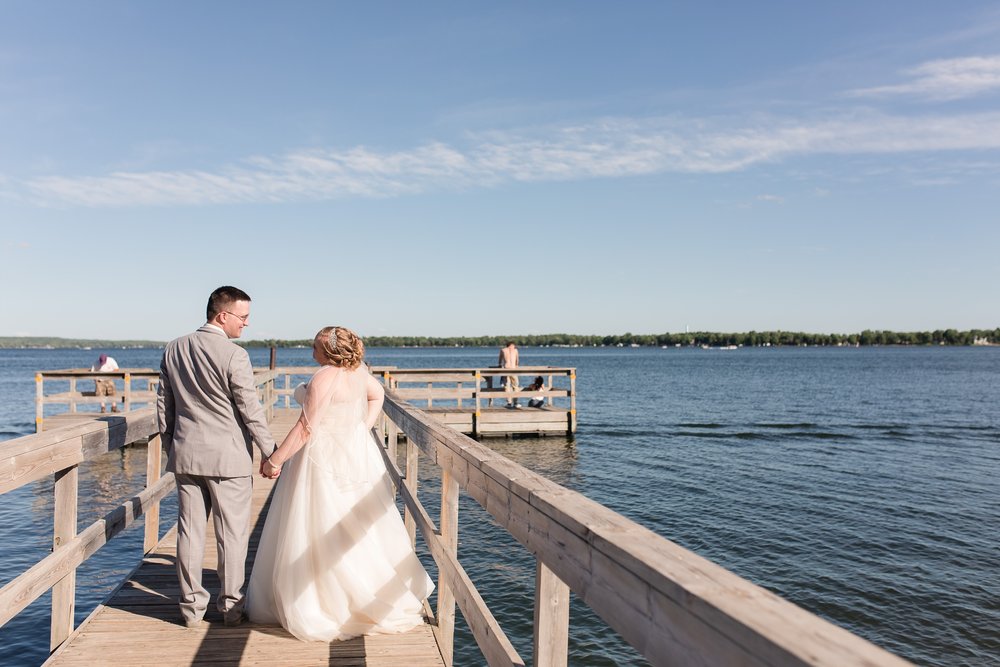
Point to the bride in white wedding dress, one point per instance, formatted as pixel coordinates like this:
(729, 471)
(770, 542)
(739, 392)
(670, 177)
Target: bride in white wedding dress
(334, 560)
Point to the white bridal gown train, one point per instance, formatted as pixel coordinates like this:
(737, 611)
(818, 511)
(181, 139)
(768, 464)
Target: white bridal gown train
(334, 560)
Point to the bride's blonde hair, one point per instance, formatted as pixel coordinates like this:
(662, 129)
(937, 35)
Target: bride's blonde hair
(339, 346)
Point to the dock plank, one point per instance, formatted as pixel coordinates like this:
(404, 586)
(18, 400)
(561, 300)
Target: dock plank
(140, 623)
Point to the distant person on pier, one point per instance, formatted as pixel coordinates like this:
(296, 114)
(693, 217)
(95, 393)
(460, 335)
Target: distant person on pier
(509, 358)
(105, 364)
(537, 385)
(210, 417)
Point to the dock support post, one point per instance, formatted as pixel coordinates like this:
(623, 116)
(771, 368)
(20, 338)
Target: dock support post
(551, 638)
(153, 459)
(67, 483)
(449, 537)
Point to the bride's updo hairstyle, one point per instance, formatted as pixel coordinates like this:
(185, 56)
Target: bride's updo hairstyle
(339, 346)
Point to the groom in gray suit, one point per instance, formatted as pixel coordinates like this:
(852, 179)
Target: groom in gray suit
(208, 416)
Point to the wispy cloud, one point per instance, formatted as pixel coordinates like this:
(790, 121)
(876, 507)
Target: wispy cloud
(775, 199)
(601, 149)
(949, 79)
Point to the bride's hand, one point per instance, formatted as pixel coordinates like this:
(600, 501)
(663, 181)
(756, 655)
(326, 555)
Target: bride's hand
(269, 470)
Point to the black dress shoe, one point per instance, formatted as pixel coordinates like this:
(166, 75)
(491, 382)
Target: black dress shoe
(233, 620)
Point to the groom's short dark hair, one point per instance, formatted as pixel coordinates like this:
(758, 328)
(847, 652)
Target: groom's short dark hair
(221, 298)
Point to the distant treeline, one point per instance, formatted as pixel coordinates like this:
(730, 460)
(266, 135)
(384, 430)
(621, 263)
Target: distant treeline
(60, 343)
(710, 338)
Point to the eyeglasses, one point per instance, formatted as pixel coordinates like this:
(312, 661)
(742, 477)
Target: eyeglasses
(243, 318)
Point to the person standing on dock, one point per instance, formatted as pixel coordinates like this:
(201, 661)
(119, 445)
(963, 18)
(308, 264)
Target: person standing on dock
(509, 358)
(105, 364)
(209, 415)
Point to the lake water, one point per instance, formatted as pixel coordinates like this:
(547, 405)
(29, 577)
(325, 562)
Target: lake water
(861, 484)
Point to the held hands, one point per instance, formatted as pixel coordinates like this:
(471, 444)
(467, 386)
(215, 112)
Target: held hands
(269, 470)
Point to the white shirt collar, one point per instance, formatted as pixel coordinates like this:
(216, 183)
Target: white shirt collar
(215, 326)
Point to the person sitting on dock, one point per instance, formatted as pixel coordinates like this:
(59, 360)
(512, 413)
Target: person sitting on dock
(105, 364)
(509, 358)
(537, 385)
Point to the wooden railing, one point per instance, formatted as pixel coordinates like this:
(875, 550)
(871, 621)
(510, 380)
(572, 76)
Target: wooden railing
(126, 394)
(59, 453)
(443, 388)
(129, 396)
(672, 606)
(471, 389)
(289, 377)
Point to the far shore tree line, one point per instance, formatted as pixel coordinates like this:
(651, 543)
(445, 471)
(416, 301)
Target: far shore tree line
(709, 338)
(698, 339)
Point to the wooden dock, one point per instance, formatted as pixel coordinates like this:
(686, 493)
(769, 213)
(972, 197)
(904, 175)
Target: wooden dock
(470, 400)
(140, 624)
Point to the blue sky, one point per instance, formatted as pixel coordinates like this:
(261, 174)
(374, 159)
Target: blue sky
(467, 168)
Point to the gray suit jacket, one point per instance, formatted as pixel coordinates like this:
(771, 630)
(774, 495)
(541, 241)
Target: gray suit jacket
(207, 407)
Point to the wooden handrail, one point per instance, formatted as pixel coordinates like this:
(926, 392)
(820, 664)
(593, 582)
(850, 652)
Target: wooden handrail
(670, 604)
(454, 583)
(33, 457)
(464, 388)
(74, 398)
(60, 452)
(30, 585)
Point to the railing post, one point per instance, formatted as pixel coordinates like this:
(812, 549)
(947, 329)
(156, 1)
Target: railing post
(412, 454)
(128, 392)
(551, 637)
(153, 458)
(572, 401)
(288, 385)
(449, 538)
(72, 395)
(392, 439)
(475, 415)
(64, 529)
(269, 398)
(39, 402)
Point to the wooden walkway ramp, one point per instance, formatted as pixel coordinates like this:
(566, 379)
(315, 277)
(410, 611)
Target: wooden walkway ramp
(140, 624)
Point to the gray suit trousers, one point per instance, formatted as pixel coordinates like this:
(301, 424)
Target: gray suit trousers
(229, 500)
